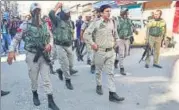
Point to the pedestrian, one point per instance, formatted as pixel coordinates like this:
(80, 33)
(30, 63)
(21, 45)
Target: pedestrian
(5, 35)
(63, 39)
(105, 36)
(156, 32)
(37, 38)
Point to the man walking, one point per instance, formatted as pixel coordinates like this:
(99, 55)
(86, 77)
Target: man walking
(105, 35)
(63, 39)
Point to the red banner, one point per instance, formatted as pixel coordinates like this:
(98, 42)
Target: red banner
(176, 19)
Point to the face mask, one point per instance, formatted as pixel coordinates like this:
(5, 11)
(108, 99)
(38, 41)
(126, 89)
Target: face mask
(63, 15)
(36, 19)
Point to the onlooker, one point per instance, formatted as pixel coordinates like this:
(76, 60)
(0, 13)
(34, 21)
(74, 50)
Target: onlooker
(5, 35)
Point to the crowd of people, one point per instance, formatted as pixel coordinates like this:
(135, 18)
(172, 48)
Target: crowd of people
(106, 40)
(8, 30)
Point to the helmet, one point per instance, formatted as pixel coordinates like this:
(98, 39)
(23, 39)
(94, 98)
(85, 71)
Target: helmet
(34, 6)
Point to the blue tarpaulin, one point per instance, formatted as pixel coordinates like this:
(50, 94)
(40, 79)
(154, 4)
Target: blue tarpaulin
(6, 15)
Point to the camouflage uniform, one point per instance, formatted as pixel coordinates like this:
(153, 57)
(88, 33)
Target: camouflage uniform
(125, 32)
(35, 37)
(155, 33)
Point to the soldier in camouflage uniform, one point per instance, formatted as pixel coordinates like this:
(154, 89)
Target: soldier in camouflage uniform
(38, 43)
(63, 39)
(105, 35)
(155, 33)
(88, 47)
(125, 31)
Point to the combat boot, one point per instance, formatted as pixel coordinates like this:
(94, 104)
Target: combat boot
(68, 84)
(92, 69)
(89, 62)
(60, 73)
(157, 66)
(72, 71)
(99, 90)
(114, 97)
(3, 93)
(51, 103)
(36, 98)
(122, 71)
(116, 63)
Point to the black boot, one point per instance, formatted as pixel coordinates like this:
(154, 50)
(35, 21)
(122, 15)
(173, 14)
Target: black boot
(114, 97)
(60, 73)
(116, 63)
(51, 103)
(92, 69)
(122, 71)
(157, 66)
(72, 71)
(51, 69)
(36, 98)
(68, 84)
(3, 93)
(146, 66)
(99, 90)
(89, 62)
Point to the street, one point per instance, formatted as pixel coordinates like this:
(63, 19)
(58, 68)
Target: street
(143, 89)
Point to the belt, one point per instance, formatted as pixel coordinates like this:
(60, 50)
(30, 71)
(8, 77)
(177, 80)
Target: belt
(106, 49)
(123, 38)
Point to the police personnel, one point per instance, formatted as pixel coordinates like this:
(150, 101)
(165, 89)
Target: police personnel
(156, 32)
(105, 34)
(88, 47)
(37, 37)
(125, 31)
(63, 39)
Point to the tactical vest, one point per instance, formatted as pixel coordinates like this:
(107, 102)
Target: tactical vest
(156, 28)
(36, 37)
(124, 28)
(63, 33)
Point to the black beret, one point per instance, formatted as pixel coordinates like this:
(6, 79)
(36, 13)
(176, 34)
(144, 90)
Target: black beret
(103, 7)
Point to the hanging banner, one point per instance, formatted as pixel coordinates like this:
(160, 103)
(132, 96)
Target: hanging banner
(176, 19)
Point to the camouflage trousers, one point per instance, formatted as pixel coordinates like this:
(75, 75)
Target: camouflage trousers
(123, 51)
(65, 57)
(36, 68)
(104, 62)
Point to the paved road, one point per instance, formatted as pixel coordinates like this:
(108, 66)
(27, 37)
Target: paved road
(144, 89)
